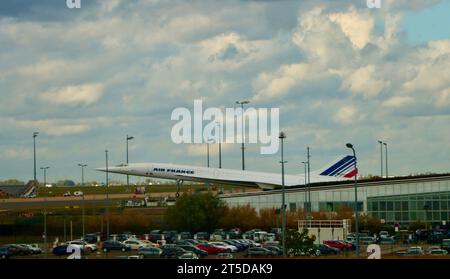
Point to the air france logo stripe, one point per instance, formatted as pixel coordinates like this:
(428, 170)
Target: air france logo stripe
(337, 165)
(344, 167)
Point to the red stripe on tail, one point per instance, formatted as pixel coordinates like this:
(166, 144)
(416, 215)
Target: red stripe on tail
(351, 174)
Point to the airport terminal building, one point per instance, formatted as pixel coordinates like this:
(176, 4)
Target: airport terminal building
(401, 200)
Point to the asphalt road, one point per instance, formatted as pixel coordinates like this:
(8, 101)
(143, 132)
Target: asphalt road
(58, 201)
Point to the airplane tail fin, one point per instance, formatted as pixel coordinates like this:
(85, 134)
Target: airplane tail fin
(344, 167)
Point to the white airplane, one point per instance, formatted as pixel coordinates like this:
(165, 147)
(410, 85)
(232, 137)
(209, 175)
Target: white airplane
(341, 169)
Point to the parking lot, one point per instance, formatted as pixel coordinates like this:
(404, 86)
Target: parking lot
(220, 245)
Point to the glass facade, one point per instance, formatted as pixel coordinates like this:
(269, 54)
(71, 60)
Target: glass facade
(404, 209)
(395, 201)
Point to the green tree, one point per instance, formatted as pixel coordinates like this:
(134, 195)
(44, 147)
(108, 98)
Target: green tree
(299, 242)
(195, 212)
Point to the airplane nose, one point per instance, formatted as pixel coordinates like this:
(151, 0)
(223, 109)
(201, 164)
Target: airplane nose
(100, 169)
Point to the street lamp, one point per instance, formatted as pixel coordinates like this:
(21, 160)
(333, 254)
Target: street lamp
(242, 103)
(35, 134)
(282, 136)
(385, 146)
(381, 156)
(107, 196)
(82, 173)
(220, 143)
(207, 153)
(45, 211)
(308, 157)
(45, 174)
(305, 204)
(349, 145)
(128, 177)
(82, 184)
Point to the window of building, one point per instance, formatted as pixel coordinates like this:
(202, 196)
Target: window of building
(436, 205)
(292, 206)
(405, 206)
(389, 206)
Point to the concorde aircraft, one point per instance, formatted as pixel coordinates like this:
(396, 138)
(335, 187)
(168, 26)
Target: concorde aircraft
(341, 169)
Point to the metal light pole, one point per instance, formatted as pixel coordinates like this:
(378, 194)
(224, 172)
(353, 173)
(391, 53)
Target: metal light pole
(35, 134)
(306, 166)
(242, 103)
(82, 173)
(282, 136)
(82, 184)
(207, 154)
(349, 145)
(45, 211)
(45, 174)
(128, 177)
(107, 197)
(220, 144)
(381, 156)
(385, 146)
(309, 180)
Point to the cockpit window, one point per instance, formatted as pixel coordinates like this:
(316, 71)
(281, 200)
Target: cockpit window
(122, 165)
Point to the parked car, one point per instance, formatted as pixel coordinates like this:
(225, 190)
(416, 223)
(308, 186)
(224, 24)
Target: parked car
(171, 252)
(91, 238)
(367, 240)
(342, 246)
(111, 245)
(67, 194)
(239, 246)
(382, 234)
(258, 251)
(201, 236)
(185, 235)
(275, 250)
(224, 256)
(211, 249)
(437, 252)
(386, 241)
(134, 244)
(417, 250)
(150, 252)
(227, 247)
(5, 252)
(19, 250)
(192, 241)
(86, 246)
(34, 248)
(446, 244)
(190, 248)
(61, 250)
(324, 249)
(188, 256)
(270, 243)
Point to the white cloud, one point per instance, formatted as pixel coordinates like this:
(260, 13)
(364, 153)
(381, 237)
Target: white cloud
(398, 101)
(356, 25)
(346, 115)
(363, 81)
(86, 94)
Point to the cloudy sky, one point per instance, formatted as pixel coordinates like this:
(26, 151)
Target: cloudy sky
(338, 71)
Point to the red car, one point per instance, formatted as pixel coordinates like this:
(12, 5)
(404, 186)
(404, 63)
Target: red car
(211, 249)
(338, 245)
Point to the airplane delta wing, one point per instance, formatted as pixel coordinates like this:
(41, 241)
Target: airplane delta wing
(341, 169)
